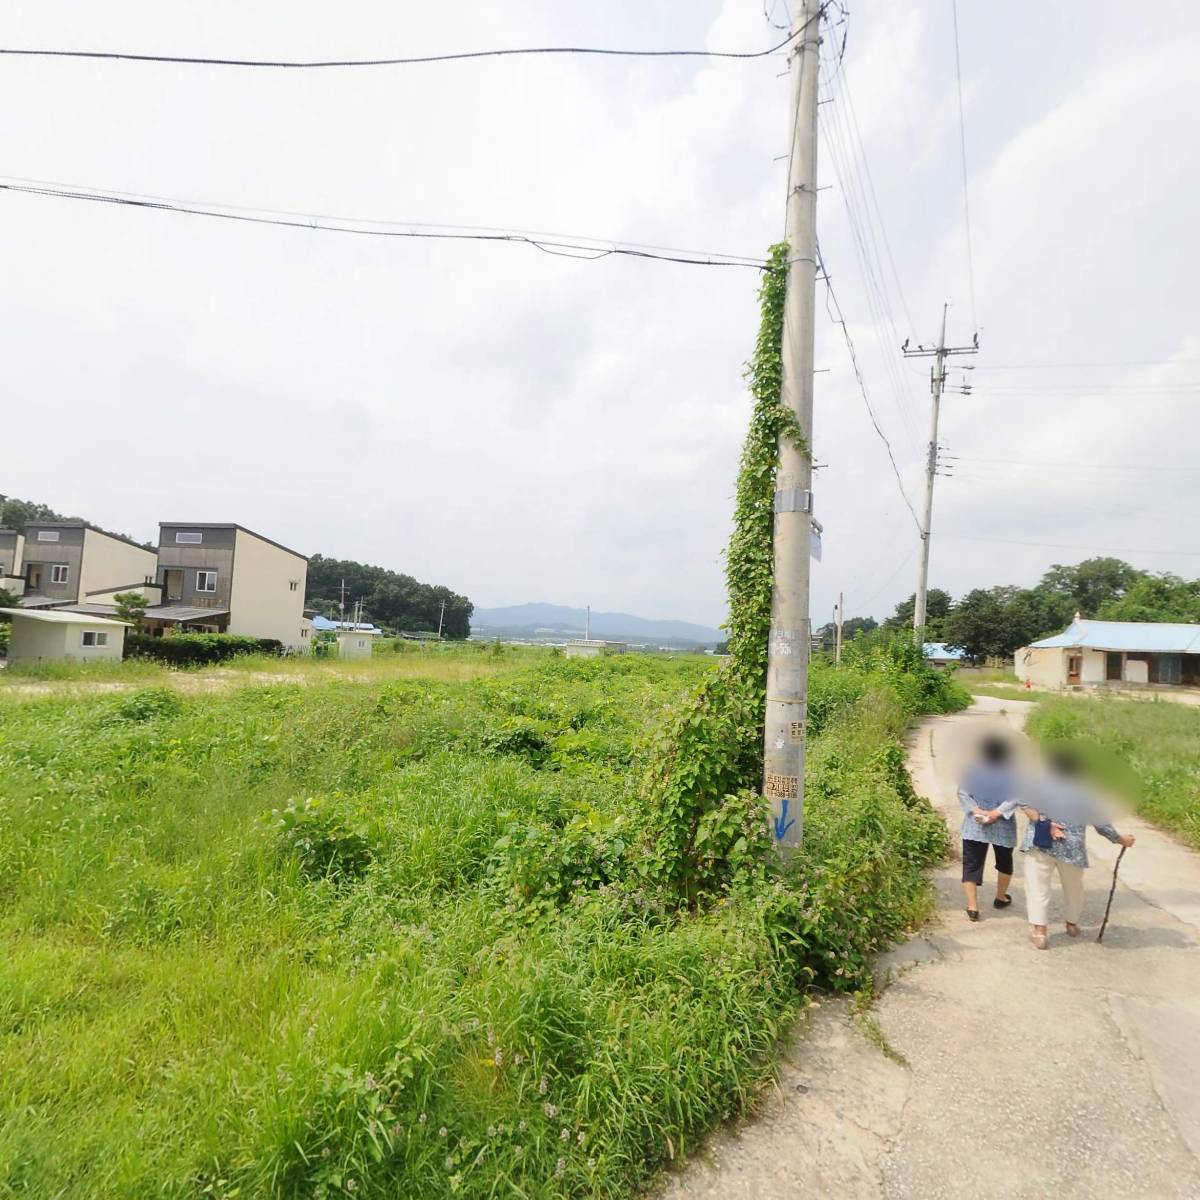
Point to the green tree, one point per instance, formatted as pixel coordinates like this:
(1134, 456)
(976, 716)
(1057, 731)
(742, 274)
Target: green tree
(1162, 597)
(1091, 583)
(131, 607)
(9, 599)
(937, 606)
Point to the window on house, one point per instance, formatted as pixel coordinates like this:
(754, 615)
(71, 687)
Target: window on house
(194, 538)
(361, 644)
(58, 573)
(206, 581)
(47, 535)
(92, 637)
(293, 584)
(304, 633)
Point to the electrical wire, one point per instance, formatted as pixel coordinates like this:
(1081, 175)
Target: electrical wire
(838, 318)
(570, 246)
(962, 143)
(865, 605)
(968, 537)
(412, 60)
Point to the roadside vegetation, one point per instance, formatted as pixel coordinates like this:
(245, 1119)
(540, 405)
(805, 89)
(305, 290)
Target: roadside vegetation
(511, 926)
(395, 938)
(1149, 748)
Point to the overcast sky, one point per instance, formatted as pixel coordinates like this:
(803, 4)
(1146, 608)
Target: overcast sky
(526, 427)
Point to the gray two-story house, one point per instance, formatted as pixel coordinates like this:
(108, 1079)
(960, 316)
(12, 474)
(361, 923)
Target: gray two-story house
(225, 578)
(64, 562)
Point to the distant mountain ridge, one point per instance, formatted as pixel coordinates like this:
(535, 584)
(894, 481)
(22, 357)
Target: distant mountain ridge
(544, 620)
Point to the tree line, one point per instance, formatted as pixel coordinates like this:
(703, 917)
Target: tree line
(994, 622)
(388, 598)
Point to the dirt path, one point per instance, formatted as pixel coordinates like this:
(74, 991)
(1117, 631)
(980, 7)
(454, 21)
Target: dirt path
(1070, 1073)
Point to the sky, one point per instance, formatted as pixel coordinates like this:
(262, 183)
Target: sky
(526, 427)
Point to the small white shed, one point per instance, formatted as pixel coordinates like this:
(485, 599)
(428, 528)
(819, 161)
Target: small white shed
(355, 643)
(41, 635)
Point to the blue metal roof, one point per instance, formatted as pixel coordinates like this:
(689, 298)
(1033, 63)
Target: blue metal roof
(1152, 637)
(324, 625)
(941, 650)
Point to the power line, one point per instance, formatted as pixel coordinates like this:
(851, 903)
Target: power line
(1089, 466)
(967, 537)
(962, 142)
(571, 246)
(1144, 362)
(412, 60)
(839, 319)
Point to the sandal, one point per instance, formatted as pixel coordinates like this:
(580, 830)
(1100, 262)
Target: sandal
(1038, 940)
(1002, 902)
(972, 914)
(1072, 929)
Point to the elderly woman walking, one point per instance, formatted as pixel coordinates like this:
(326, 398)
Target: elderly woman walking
(987, 798)
(1056, 842)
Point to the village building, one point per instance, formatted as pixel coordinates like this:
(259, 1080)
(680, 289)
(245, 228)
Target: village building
(65, 562)
(1099, 654)
(940, 655)
(356, 643)
(12, 543)
(593, 648)
(45, 635)
(216, 578)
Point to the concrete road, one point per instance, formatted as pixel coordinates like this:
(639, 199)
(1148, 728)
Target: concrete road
(1073, 1072)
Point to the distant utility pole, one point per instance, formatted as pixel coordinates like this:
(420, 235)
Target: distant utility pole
(937, 377)
(841, 613)
(441, 618)
(791, 630)
(342, 601)
(587, 630)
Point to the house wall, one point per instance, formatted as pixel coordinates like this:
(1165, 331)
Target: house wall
(151, 592)
(1093, 666)
(10, 552)
(66, 551)
(263, 602)
(214, 553)
(1044, 667)
(32, 640)
(354, 645)
(307, 636)
(109, 562)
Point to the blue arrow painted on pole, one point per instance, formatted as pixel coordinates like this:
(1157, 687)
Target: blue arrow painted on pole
(782, 824)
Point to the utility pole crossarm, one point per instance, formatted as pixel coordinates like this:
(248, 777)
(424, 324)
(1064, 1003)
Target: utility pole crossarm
(790, 637)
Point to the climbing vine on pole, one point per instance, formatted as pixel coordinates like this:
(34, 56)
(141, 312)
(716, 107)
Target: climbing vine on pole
(701, 788)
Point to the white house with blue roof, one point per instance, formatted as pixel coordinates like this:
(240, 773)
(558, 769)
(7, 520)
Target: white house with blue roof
(1113, 654)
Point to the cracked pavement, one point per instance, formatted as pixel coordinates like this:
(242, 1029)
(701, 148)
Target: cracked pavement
(1070, 1073)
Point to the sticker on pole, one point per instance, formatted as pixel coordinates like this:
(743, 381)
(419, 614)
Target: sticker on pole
(796, 732)
(782, 787)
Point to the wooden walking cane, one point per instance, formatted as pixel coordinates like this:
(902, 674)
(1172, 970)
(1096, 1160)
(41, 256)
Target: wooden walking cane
(1111, 890)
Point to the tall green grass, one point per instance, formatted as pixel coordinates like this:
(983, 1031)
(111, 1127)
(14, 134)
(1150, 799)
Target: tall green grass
(393, 938)
(1151, 748)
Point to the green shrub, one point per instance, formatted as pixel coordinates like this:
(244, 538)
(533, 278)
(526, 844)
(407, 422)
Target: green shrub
(315, 832)
(197, 649)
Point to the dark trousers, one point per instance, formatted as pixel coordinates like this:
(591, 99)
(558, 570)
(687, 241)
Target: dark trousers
(975, 858)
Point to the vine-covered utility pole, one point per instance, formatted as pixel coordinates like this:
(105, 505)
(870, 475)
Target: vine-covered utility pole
(790, 637)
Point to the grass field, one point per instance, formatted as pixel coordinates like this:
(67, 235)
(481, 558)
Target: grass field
(1153, 746)
(366, 935)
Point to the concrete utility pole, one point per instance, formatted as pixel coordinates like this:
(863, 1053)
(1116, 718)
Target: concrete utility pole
(937, 381)
(790, 638)
(837, 656)
(441, 618)
(587, 629)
